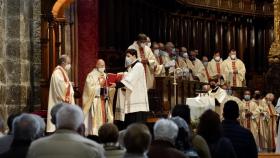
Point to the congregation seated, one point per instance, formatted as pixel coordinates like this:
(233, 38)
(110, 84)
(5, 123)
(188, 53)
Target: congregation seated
(108, 136)
(137, 140)
(165, 134)
(173, 137)
(6, 140)
(210, 129)
(197, 142)
(26, 128)
(66, 141)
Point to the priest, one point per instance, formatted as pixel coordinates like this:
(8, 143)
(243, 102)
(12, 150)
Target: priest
(147, 58)
(234, 70)
(97, 99)
(249, 114)
(61, 89)
(215, 66)
(196, 67)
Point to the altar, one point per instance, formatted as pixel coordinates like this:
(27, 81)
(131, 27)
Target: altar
(164, 97)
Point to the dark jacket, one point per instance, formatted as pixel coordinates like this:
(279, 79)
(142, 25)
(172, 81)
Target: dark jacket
(164, 149)
(222, 148)
(5, 143)
(241, 138)
(18, 149)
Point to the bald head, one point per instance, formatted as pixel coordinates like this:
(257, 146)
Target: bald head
(100, 63)
(270, 97)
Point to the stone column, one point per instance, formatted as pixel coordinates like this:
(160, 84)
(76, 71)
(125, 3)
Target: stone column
(19, 55)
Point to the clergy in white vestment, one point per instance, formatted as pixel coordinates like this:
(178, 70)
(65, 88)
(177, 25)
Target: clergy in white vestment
(132, 102)
(196, 67)
(147, 58)
(214, 67)
(234, 70)
(205, 63)
(61, 89)
(98, 97)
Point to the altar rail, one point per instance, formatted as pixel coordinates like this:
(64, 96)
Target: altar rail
(162, 98)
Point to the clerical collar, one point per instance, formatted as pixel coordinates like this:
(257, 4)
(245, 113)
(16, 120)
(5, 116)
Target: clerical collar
(215, 89)
(132, 65)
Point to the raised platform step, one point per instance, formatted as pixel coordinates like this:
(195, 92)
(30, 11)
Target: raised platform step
(268, 155)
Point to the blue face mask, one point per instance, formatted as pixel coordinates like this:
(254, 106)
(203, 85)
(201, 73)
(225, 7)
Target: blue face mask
(247, 97)
(127, 61)
(229, 91)
(162, 53)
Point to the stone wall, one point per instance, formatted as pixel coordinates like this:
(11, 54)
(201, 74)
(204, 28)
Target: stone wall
(20, 56)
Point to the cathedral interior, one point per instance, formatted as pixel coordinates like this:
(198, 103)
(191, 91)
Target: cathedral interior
(35, 33)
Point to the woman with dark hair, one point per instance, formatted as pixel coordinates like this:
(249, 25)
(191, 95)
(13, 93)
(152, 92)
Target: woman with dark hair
(132, 101)
(210, 129)
(193, 140)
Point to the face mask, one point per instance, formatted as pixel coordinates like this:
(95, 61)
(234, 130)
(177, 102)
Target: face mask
(142, 45)
(68, 67)
(101, 69)
(149, 44)
(128, 61)
(229, 92)
(247, 97)
(162, 53)
(233, 56)
(205, 63)
(156, 52)
(217, 58)
(185, 55)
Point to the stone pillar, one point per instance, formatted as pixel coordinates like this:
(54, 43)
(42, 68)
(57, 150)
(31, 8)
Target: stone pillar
(19, 55)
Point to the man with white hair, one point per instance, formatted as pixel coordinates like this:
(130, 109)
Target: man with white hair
(66, 142)
(98, 99)
(25, 130)
(42, 126)
(165, 133)
(271, 121)
(61, 89)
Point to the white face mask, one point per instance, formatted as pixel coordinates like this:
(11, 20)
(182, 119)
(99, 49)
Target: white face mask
(142, 45)
(185, 55)
(233, 56)
(205, 63)
(101, 69)
(217, 58)
(156, 52)
(128, 61)
(149, 44)
(68, 67)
